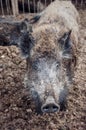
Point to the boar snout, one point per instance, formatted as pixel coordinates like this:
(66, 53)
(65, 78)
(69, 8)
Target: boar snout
(50, 106)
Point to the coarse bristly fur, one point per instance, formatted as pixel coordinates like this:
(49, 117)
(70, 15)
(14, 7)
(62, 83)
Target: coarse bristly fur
(53, 57)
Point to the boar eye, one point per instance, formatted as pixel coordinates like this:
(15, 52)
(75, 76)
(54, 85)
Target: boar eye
(57, 65)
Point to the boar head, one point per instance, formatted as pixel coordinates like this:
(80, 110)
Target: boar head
(49, 66)
(50, 71)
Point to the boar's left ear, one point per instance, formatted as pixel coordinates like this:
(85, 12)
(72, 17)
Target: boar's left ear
(66, 45)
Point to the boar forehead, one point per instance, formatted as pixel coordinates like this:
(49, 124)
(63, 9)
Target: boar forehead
(46, 42)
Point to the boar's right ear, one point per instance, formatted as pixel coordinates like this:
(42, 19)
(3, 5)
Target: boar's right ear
(18, 34)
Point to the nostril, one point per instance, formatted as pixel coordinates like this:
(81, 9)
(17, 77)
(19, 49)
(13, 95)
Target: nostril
(55, 108)
(50, 108)
(45, 108)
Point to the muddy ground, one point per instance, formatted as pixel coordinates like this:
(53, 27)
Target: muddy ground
(16, 108)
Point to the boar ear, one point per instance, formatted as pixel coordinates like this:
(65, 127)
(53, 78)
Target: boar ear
(66, 45)
(26, 42)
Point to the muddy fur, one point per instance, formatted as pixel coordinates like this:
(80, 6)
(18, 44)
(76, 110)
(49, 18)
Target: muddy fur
(57, 19)
(56, 38)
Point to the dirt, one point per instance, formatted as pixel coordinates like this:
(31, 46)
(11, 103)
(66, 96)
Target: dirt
(17, 110)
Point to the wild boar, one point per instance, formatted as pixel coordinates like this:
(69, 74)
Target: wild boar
(50, 51)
